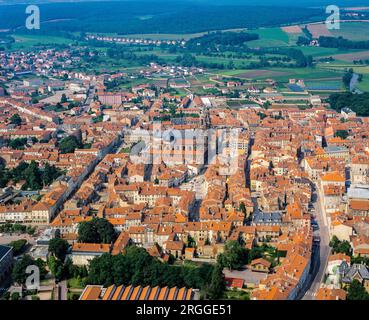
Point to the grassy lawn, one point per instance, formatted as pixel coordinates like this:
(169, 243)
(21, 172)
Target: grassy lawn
(125, 150)
(364, 85)
(236, 295)
(75, 283)
(269, 37)
(321, 52)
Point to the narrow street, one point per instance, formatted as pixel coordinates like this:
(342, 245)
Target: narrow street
(321, 250)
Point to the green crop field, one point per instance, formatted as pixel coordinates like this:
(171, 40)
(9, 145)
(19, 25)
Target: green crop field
(28, 41)
(269, 37)
(318, 52)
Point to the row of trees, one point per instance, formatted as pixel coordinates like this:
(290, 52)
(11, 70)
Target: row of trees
(16, 228)
(137, 267)
(17, 143)
(35, 177)
(346, 79)
(342, 43)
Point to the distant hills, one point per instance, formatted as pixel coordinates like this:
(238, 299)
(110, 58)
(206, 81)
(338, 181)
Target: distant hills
(159, 16)
(162, 16)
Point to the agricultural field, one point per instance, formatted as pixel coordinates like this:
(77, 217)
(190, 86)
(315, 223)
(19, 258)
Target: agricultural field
(320, 52)
(269, 37)
(292, 29)
(359, 69)
(284, 74)
(360, 55)
(352, 30)
(169, 36)
(319, 30)
(27, 42)
(329, 85)
(322, 77)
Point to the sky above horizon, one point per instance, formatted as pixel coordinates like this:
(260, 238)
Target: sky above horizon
(229, 2)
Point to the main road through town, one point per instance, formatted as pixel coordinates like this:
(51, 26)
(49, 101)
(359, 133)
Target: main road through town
(321, 250)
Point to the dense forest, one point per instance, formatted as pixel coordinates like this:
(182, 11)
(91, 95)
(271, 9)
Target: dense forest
(134, 17)
(356, 102)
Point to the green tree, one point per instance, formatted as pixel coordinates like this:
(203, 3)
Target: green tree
(342, 134)
(340, 246)
(69, 144)
(17, 143)
(18, 246)
(16, 119)
(56, 268)
(59, 248)
(242, 207)
(357, 291)
(97, 230)
(15, 296)
(217, 284)
(191, 243)
(137, 267)
(17, 173)
(64, 98)
(19, 274)
(33, 178)
(233, 257)
(49, 174)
